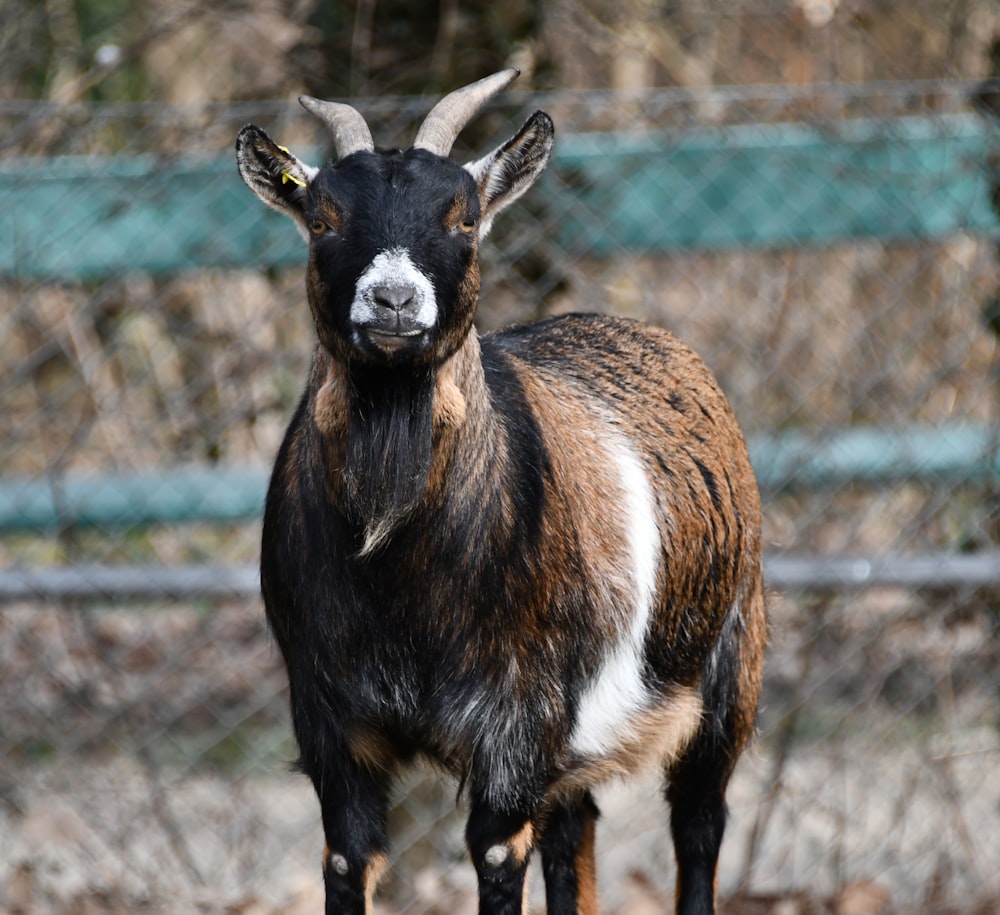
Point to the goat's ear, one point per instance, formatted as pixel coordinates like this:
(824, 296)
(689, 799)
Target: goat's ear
(507, 172)
(276, 176)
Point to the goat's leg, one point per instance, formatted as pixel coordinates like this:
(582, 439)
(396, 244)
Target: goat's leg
(696, 786)
(353, 805)
(697, 821)
(500, 844)
(568, 860)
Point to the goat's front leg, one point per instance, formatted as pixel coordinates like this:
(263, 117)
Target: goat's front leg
(353, 804)
(568, 858)
(500, 843)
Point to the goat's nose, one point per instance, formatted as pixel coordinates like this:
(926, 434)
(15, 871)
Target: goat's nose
(394, 296)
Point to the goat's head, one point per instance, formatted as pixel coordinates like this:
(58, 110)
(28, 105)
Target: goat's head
(393, 236)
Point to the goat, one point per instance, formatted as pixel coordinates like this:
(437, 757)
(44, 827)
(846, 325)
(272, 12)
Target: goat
(531, 557)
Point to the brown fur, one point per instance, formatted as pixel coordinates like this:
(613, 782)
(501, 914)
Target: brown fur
(585, 495)
(377, 867)
(371, 750)
(449, 402)
(522, 842)
(329, 384)
(655, 738)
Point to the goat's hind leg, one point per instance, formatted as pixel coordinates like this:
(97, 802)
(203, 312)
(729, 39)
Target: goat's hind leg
(696, 792)
(568, 858)
(696, 783)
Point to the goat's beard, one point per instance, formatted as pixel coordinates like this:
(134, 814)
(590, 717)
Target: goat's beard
(388, 450)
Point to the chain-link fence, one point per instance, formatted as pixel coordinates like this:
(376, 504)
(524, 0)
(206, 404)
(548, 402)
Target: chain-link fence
(830, 249)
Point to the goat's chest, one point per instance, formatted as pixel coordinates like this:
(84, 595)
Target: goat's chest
(429, 699)
(437, 671)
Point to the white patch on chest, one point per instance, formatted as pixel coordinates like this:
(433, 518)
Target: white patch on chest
(618, 693)
(394, 268)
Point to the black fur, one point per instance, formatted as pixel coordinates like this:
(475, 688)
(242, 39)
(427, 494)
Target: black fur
(388, 446)
(562, 837)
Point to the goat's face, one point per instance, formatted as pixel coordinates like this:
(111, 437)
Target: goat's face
(393, 273)
(392, 267)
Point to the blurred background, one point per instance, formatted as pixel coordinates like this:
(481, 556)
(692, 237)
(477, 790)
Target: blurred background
(807, 191)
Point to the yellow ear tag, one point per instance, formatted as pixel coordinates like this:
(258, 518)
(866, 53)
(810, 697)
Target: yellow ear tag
(286, 175)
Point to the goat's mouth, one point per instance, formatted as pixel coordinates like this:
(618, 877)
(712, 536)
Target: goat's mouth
(391, 340)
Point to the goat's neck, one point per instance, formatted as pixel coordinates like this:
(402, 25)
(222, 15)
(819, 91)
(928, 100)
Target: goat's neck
(459, 395)
(383, 466)
(465, 427)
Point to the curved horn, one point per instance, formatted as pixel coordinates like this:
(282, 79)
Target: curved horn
(350, 132)
(446, 119)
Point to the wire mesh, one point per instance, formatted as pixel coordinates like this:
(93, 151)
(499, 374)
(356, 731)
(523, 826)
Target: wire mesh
(145, 742)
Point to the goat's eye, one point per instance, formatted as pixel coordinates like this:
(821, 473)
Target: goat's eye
(318, 227)
(467, 225)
